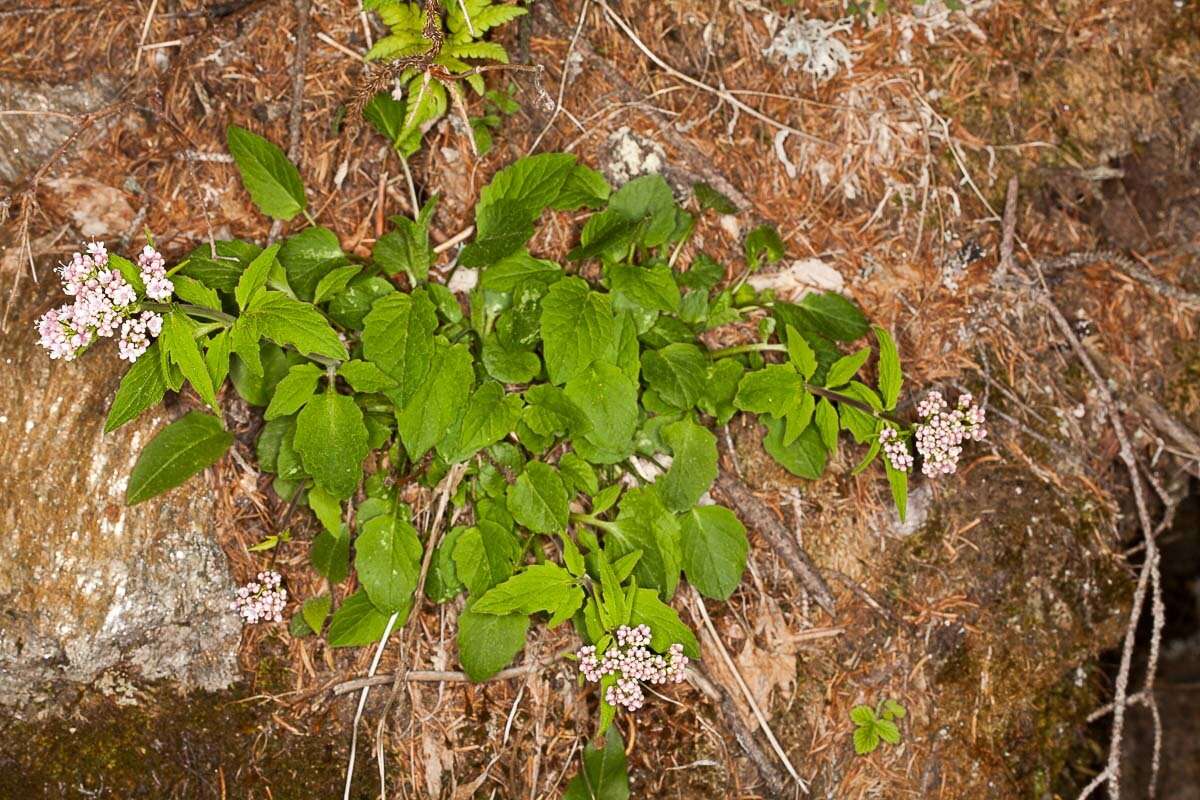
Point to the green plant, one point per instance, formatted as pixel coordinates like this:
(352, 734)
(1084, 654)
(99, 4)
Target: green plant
(873, 725)
(535, 407)
(431, 48)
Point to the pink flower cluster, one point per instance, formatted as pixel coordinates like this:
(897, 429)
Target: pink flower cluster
(261, 600)
(632, 661)
(942, 431)
(153, 269)
(895, 450)
(105, 305)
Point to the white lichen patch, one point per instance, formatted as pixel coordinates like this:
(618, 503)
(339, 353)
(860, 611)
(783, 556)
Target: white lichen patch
(811, 46)
(631, 155)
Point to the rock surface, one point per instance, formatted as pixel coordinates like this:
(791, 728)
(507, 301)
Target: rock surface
(88, 583)
(26, 140)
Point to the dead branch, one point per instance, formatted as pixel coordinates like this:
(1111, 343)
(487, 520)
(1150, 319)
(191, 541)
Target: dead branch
(759, 516)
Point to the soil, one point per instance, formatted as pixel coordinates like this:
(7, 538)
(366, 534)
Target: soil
(992, 618)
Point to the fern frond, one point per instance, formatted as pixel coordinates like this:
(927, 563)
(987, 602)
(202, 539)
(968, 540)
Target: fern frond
(393, 47)
(490, 50)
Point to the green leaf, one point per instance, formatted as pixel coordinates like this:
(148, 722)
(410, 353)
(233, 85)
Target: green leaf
(332, 442)
(388, 560)
(190, 290)
(720, 389)
(290, 322)
(255, 276)
(358, 623)
(677, 373)
(531, 184)
(502, 229)
(703, 274)
(273, 182)
(141, 388)
(538, 499)
(294, 390)
(826, 419)
(577, 328)
(763, 241)
(327, 508)
(606, 498)
(666, 628)
(334, 282)
(651, 288)
(176, 453)
(406, 249)
(216, 357)
(540, 587)
(802, 356)
(579, 473)
(647, 200)
(604, 775)
(714, 548)
(804, 458)
(773, 390)
(893, 709)
(129, 271)
(308, 257)
(887, 731)
(832, 315)
(516, 269)
(490, 416)
(398, 338)
(584, 188)
(693, 464)
(890, 375)
(220, 264)
(438, 402)
(350, 306)
(865, 740)
(607, 398)
(487, 643)
(645, 524)
(315, 611)
(365, 376)
(485, 556)
(862, 716)
(179, 343)
(898, 481)
(443, 583)
(846, 367)
(710, 199)
(506, 364)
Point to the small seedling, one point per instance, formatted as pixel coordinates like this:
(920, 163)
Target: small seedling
(875, 724)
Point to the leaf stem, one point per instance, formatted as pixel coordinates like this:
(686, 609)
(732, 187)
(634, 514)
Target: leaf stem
(192, 311)
(747, 348)
(595, 522)
(854, 402)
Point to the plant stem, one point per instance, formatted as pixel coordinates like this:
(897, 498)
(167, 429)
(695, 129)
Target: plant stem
(821, 391)
(595, 522)
(747, 348)
(192, 311)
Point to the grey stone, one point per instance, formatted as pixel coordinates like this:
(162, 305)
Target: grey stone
(86, 582)
(26, 140)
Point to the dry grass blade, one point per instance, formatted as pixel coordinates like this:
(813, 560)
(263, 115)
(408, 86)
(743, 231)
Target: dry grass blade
(763, 725)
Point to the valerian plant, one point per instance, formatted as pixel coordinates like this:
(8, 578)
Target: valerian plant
(549, 390)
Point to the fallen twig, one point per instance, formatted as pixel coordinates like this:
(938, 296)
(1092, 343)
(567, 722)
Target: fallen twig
(1126, 265)
(1148, 576)
(296, 112)
(763, 725)
(759, 516)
